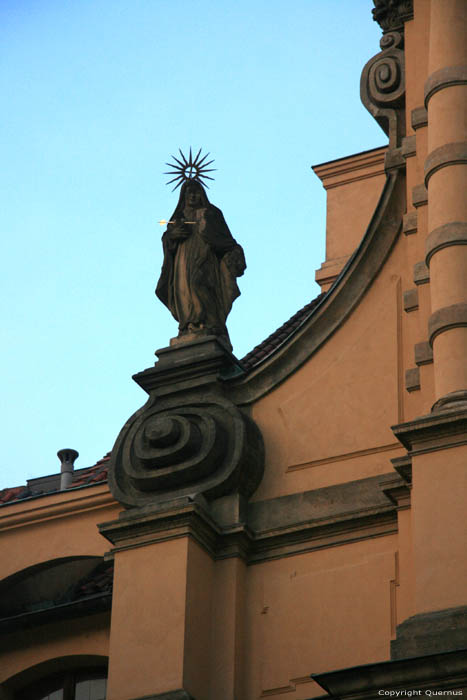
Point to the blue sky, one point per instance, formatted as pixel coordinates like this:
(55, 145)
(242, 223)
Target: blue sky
(97, 94)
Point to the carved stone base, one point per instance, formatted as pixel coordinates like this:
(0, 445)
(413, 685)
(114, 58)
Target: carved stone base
(456, 400)
(431, 633)
(435, 672)
(189, 439)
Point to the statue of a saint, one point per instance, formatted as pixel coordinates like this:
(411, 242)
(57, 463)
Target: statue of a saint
(201, 263)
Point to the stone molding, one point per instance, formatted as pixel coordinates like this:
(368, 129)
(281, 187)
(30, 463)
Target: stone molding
(444, 319)
(437, 431)
(271, 529)
(367, 682)
(419, 196)
(403, 466)
(431, 633)
(444, 156)
(410, 300)
(409, 146)
(409, 224)
(360, 166)
(412, 379)
(421, 273)
(337, 305)
(453, 233)
(455, 400)
(444, 78)
(397, 489)
(419, 118)
(423, 353)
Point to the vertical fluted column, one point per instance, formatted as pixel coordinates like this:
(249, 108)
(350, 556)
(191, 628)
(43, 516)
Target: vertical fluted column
(446, 180)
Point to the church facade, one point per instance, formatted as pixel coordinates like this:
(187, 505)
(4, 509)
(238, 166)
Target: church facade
(292, 524)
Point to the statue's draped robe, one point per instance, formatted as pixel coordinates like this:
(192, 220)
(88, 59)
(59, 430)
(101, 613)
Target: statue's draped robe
(198, 277)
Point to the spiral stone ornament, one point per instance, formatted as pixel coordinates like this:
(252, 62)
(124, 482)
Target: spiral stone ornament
(382, 87)
(169, 451)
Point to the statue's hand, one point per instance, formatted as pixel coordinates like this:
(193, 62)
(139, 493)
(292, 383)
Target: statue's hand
(178, 231)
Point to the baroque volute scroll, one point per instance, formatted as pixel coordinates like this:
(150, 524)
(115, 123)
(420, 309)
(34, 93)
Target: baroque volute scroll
(190, 440)
(382, 85)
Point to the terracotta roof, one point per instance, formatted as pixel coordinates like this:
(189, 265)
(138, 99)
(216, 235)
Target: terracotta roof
(98, 472)
(268, 346)
(81, 477)
(91, 475)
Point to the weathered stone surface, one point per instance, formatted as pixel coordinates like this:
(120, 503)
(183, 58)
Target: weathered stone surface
(437, 431)
(445, 78)
(262, 530)
(453, 233)
(444, 156)
(419, 118)
(188, 439)
(409, 225)
(367, 682)
(410, 300)
(429, 633)
(423, 353)
(409, 146)
(412, 379)
(382, 88)
(453, 316)
(355, 497)
(421, 274)
(419, 195)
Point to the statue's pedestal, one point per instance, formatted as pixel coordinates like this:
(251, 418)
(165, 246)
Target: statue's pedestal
(187, 359)
(184, 466)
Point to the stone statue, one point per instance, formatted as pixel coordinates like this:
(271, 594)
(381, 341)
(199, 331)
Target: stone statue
(201, 263)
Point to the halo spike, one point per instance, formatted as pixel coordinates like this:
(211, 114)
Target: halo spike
(175, 178)
(178, 161)
(203, 158)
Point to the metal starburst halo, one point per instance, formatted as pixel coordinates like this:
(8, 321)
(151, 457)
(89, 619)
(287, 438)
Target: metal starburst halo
(191, 169)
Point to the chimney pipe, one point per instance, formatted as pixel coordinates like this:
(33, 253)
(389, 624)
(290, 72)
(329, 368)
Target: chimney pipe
(67, 458)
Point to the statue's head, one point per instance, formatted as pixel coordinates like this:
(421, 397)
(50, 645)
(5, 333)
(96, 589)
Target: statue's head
(192, 194)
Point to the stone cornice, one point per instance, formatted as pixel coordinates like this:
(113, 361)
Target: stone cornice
(357, 167)
(275, 528)
(54, 505)
(438, 431)
(437, 671)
